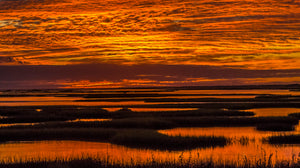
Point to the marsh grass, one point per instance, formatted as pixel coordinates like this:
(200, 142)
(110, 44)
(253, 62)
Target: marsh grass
(284, 139)
(63, 113)
(34, 118)
(231, 121)
(89, 134)
(142, 123)
(154, 140)
(169, 122)
(273, 98)
(88, 162)
(138, 138)
(297, 115)
(198, 113)
(276, 127)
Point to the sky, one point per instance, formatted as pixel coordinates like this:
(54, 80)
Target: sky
(142, 43)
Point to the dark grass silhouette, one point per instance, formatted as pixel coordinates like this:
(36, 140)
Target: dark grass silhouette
(275, 127)
(154, 140)
(264, 162)
(63, 113)
(284, 139)
(297, 115)
(169, 122)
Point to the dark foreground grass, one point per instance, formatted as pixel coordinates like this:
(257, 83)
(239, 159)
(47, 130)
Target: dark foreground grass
(139, 138)
(284, 139)
(96, 163)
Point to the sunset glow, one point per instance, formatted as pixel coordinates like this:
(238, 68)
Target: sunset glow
(225, 35)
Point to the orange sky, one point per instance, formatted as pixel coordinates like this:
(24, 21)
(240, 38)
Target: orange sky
(228, 35)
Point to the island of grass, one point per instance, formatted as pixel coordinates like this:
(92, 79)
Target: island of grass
(283, 139)
(136, 138)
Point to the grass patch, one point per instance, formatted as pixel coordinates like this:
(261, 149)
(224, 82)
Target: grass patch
(284, 139)
(275, 127)
(181, 113)
(154, 140)
(143, 123)
(269, 98)
(138, 138)
(63, 113)
(89, 134)
(33, 118)
(297, 115)
(104, 163)
(168, 122)
(33, 114)
(228, 122)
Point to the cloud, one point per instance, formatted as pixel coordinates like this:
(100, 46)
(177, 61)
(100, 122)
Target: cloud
(251, 35)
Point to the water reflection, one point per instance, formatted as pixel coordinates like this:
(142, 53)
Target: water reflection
(89, 119)
(17, 124)
(152, 109)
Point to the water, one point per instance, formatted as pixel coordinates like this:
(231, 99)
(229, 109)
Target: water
(89, 119)
(17, 124)
(152, 109)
